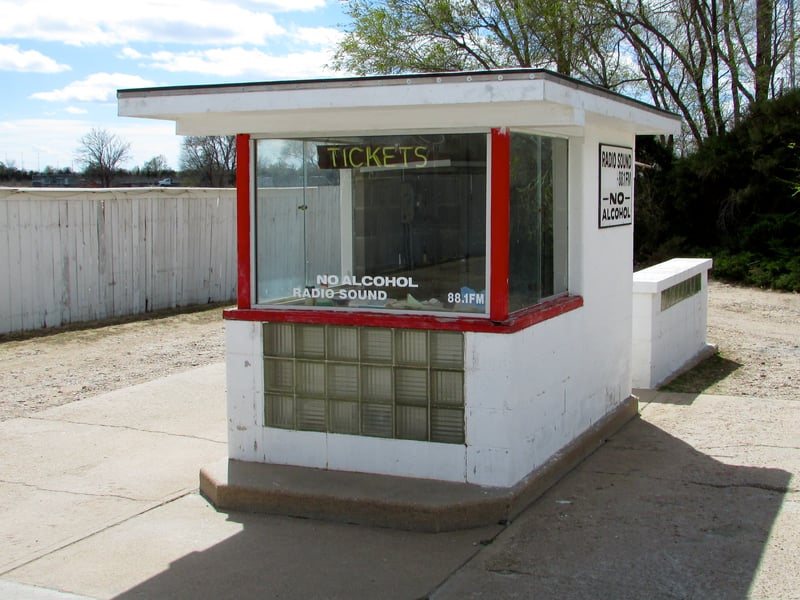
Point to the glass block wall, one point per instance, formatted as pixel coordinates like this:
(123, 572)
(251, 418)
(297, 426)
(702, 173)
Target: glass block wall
(680, 291)
(393, 383)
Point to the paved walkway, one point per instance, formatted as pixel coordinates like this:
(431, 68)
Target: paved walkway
(698, 498)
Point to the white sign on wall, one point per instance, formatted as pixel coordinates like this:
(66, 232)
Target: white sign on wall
(616, 186)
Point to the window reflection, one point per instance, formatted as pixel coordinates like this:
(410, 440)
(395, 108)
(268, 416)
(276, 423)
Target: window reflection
(390, 222)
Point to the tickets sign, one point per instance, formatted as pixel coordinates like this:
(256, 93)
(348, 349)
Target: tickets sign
(615, 205)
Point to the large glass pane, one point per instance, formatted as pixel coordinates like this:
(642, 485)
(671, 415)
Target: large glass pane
(390, 222)
(538, 219)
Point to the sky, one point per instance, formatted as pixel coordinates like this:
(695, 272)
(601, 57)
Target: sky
(61, 64)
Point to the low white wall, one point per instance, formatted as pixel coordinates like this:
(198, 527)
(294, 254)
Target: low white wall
(75, 255)
(667, 341)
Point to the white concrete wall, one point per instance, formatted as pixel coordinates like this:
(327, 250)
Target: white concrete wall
(531, 394)
(664, 342)
(250, 440)
(74, 255)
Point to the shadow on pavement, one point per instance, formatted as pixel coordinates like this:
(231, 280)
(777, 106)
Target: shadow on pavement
(703, 376)
(646, 516)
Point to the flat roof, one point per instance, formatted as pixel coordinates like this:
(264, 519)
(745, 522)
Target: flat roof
(479, 99)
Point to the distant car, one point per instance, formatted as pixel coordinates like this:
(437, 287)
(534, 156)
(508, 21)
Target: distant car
(165, 182)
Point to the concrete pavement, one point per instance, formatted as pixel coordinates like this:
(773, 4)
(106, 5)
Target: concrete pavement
(698, 498)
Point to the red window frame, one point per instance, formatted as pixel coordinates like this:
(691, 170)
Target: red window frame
(499, 321)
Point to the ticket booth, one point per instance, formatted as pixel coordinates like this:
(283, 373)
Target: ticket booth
(434, 281)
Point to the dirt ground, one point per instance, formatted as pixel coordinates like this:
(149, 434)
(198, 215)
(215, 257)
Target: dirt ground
(757, 333)
(48, 370)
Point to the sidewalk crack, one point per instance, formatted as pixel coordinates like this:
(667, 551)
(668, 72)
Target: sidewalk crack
(127, 427)
(69, 492)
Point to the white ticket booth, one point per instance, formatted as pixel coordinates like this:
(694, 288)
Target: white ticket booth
(434, 293)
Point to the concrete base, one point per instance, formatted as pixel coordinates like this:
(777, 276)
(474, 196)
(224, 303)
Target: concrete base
(396, 502)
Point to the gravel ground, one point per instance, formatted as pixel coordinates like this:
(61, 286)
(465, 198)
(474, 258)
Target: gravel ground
(49, 370)
(757, 333)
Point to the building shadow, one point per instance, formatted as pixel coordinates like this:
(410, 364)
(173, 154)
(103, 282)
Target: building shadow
(646, 516)
(702, 376)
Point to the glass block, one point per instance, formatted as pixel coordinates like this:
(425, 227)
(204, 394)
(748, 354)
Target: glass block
(311, 414)
(376, 384)
(412, 422)
(309, 341)
(343, 343)
(376, 420)
(411, 386)
(411, 347)
(447, 387)
(278, 375)
(343, 381)
(376, 345)
(310, 378)
(279, 410)
(344, 417)
(447, 349)
(447, 425)
(278, 339)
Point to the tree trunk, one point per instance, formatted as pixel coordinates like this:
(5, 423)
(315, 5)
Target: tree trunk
(763, 49)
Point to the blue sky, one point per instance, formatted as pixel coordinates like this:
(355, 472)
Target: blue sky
(61, 64)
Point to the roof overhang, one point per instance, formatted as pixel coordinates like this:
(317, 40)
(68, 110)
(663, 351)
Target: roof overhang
(523, 98)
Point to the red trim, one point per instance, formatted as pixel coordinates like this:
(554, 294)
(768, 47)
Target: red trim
(243, 219)
(500, 210)
(519, 320)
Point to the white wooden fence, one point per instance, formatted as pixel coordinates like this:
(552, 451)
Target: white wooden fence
(69, 255)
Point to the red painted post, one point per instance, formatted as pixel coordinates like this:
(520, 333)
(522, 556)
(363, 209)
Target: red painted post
(500, 211)
(243, 191)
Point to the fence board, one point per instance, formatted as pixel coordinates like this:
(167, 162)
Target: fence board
(69, 256)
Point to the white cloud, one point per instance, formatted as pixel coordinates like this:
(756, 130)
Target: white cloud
(238, 62)
(290, 5)
(318, 36)
(98, 87)
(131, 53)
(74, 110)
(29, 61)
(99, 22)
(53, 142)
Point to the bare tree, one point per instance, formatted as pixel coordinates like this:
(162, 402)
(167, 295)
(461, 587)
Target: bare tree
(212, 159)
(707, 60)
(101, 153)
(156, 166)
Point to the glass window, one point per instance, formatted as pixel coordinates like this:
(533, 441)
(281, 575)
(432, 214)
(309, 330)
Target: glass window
(390, 222)
(538, 219)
